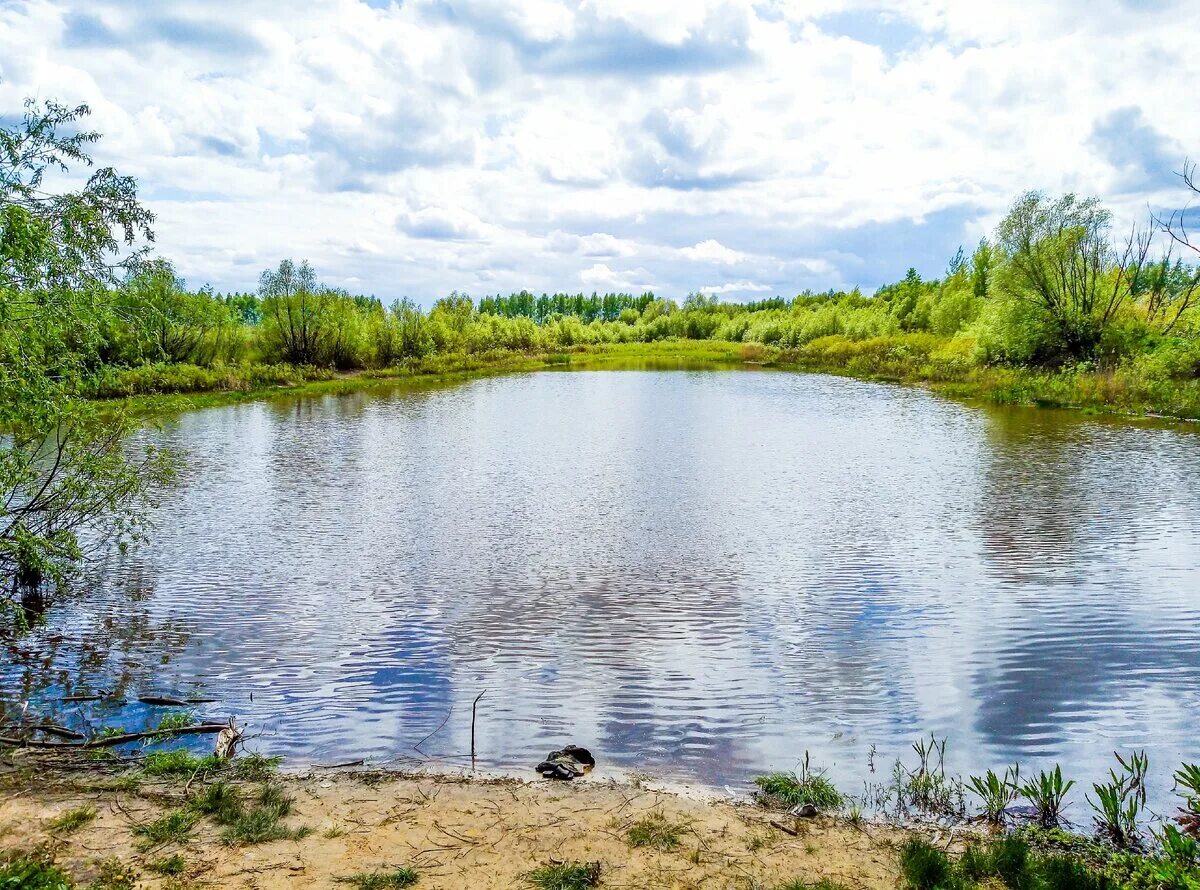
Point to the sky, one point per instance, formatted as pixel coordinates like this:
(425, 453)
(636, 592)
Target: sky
(745, 149)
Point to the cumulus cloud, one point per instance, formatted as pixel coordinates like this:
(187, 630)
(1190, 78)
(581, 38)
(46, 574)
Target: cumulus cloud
(737, 146)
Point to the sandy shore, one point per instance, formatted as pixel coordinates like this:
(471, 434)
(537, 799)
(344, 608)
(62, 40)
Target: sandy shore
(456, 831)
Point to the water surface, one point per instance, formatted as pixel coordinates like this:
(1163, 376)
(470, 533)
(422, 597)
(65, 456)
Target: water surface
(696, 574)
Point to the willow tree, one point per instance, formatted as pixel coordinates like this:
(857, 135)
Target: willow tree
(67, 480)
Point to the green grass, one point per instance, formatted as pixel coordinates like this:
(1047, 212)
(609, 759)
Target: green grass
(566, 876)
(33, 872)
(73, 820)
(789, 790)
(113, 874)
(169, 866)
(656, 831)
(172, 828)
(382, 880)
(177, 763)
(924, 867)
(260, 822)
(177, 720)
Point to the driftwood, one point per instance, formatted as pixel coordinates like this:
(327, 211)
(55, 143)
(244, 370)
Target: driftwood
(114, 740)
(61, 731)
(786, 829)
(172, 702)
(227, 740)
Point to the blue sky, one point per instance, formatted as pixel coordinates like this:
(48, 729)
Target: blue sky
(743, 148)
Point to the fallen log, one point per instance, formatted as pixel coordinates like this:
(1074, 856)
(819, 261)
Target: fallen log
(114, 740)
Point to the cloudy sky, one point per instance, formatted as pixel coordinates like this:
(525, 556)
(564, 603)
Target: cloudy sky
(743, 148)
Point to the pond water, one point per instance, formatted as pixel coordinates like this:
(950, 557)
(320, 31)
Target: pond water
(696, 574)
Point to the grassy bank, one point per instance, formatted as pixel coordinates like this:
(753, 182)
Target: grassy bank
(911, 359)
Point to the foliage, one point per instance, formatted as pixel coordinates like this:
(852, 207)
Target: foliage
(33, 872)
(170, 828)
(382, 880)
(996, 792)
(808, 786)
(566, 876)
(167, 865)
(1120, 800)
(178, 762)
(655, 830)
(73, 820)
(66, 481)
(1047, 792)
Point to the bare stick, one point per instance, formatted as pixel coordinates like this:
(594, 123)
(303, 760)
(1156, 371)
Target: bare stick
(473, 704)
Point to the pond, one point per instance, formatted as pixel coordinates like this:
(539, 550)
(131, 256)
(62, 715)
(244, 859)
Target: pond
(698, 574)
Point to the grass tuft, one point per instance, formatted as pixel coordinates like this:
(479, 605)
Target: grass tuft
(73, 820)
(382, 880)
(172, 828)
(261, 822)
(822, 884)
(566, 876)
(655, 830)
(177, 763)
(168, 865)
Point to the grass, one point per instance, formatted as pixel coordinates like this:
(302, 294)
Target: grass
(168, 866)
(177, 763)
(382, 880)
(73, 820)
(172, 828)
(566, 876)
(260, 822)
(656, 831)
(113, 874)
(822, 884)
(808, 787)
(33, 872)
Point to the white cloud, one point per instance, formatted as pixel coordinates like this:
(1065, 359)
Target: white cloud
(543, 144)
(712, 251)
(735, 287)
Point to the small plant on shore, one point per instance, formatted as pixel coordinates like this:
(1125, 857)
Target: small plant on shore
(177, 763)
(33, 871)
(1047, 792)
(808, 786)
(996, 792)
(822, 884)
(655, 830)
(220, 800)
(72, 820)
(1120, 800)
(168, 866)
(261, 822)
(566, 876)
(172, 828)
(113, 874)
(176, 720)
(925, 867)
(1187, 783)
(382, 880)
(1178, 847)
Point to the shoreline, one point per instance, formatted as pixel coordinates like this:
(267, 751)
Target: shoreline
(453, 830)
(1091, 394)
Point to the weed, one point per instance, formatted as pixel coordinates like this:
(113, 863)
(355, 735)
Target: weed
(756, 842)
(808, 786)
(73, 820)
(1047, 792)
(171, 828)
(1120, 800)
(254, 767)
(220, 800)
(167, 865)
(33, 872)
(925, 867)
(566, 876)
(382, 880)
(996, 792)
(113, 874)
(654, 830)
(177, 763)
(855, 815)
(1178, 847)
(176, 720)
(334, 831)
(926, 788)
(261, 822)
(822, 884)
(1187, 783)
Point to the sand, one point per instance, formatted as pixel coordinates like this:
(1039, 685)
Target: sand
(455, 830)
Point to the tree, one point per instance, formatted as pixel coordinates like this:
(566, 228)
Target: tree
(66, 482)
(1057, 257)
(293, 315)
